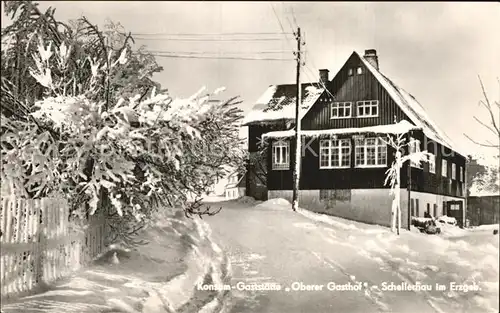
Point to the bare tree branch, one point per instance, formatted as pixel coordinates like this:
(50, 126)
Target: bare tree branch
(490, 110)
(492, 125)
(482, 144)
(485, 125)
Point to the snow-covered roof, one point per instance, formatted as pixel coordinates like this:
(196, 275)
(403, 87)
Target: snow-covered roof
(400, 128)
(278, 103)
(412, 108)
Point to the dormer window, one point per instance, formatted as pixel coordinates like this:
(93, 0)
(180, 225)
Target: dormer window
(359, 70)
(340, 110)
(367, 108)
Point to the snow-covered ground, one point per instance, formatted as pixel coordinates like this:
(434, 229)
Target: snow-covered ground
(464, 261)
(157, 277)
(466, 257)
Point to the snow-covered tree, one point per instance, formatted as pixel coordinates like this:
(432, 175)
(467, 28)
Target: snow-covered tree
(128, 157)
(393, 174)
(487, 182)
(84, 42)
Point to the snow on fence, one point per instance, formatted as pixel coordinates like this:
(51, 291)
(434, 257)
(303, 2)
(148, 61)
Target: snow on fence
(40, 243)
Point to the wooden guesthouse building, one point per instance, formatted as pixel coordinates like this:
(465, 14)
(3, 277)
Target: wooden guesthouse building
(344, 159)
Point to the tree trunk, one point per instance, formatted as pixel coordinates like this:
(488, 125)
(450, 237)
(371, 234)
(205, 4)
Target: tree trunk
(398, 196)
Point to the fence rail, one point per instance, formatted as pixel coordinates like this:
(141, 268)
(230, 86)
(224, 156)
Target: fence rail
(40, 243)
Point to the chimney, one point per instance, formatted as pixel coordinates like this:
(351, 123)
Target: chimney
(323, 76)
(371, 57)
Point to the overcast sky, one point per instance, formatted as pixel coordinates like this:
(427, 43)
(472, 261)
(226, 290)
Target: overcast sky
(433, 50)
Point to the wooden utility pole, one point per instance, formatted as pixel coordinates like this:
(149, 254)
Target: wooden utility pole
(298, 146)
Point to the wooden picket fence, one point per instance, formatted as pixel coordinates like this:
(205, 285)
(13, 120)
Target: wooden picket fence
(40, 243)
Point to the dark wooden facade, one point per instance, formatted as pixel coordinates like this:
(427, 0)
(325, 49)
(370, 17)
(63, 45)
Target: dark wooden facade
(423, 180)
(356, 88)
(483, 210)
(353, 88)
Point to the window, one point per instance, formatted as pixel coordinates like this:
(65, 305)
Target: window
(367, 108)
(414, 148)
(429, 208)
(453, 171)
(461, 174)
(370, 152)
(444, 168)
(335, 153)
(350, 72)
(432, 163)
(359, 70)
(281, 155)
(435, 210)
(340, 110)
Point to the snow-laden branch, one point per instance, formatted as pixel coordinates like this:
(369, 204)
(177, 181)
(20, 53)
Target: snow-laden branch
(135, 153)
(393, 174)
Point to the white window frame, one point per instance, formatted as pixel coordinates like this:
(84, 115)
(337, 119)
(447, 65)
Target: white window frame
(359, 70)
(444, 168)
(414, 146)
(335, 106)
(363, 145)
(431, 158)
(331, 146)
(453, 171)
(367, 104)
(278, 162)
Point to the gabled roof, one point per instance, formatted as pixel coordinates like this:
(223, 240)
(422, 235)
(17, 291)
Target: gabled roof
(411, 107)
(278, 103)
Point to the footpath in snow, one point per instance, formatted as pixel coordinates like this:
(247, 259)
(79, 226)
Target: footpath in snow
(158, 277)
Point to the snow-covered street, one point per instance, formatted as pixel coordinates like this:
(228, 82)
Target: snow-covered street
(270, 246)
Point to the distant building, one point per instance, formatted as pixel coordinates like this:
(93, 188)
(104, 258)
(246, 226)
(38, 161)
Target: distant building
(483, 201)
(483, 210)
(235, 187)
(344, 159)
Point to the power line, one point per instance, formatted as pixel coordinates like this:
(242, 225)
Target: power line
(207, 34)
(282, 28)
(277, 18)
(319, 83)
(210, 39)
(218, 52)
(293, 15)
(218, 57)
